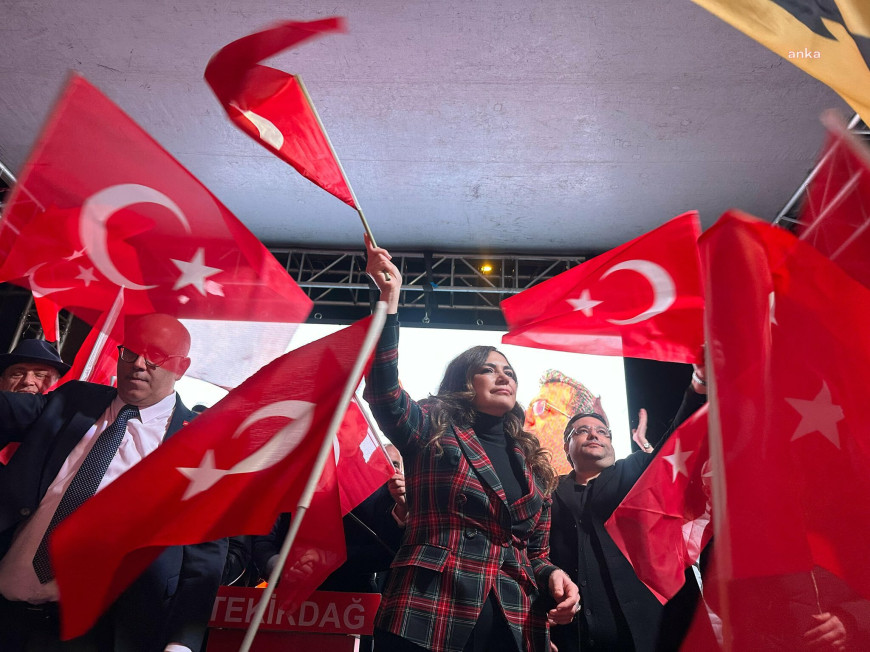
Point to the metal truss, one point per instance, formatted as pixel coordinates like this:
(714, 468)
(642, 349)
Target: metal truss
(19, 300)
(336, 282)
(7, 180)
(789, 216)
(430, 280)
(467, 287)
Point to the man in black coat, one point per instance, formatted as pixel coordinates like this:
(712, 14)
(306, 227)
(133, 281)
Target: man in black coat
(74, 441)
(618, 612)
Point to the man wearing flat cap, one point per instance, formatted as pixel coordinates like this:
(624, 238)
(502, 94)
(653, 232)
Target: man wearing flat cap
(32, 367)
(73, 442)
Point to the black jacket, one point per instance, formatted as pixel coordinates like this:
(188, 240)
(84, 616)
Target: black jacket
(584, 549)
(172, 599)
(366, 555)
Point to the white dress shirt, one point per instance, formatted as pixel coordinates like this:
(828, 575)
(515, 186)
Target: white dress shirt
(18, 580)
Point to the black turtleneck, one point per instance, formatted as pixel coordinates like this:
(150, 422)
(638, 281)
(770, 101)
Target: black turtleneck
(499, 449)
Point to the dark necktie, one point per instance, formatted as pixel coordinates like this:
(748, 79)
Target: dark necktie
(84, 484)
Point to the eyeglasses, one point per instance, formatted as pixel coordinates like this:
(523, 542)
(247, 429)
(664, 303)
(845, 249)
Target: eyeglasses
(157, 359)
(540, 406)
(585, 431)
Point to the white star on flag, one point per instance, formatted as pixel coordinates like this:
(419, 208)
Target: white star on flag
(202, 477)
(584, 303)
(819, 415)
(87, 275)
(194, 272)
(677, 460)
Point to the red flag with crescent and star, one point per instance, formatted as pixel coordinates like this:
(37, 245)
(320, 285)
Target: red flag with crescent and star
(362, 463)
(663, 523)
(643, 299)
(101, 209)
(360, 466)
(835, 215)
(270, 106)
(230, 471)
(788, 342)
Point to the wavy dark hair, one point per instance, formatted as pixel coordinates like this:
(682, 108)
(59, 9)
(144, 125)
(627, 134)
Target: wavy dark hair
(453, 405)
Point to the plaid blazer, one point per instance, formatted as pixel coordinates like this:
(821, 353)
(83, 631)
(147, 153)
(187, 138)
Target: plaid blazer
(462, 538)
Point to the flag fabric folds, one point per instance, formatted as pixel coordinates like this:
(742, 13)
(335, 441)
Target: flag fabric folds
(663, 523)
(319, 547)
(270, 106)
(642, 299)
(359, 467)
(788, 343)
(828, 40)
(101, 207)
(104, 367)
(229, 472)
(362, 463)
(835, 215)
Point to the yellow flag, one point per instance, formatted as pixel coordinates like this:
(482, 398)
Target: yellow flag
(828, 39)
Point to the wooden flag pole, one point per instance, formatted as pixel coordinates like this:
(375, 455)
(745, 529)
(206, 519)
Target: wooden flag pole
(359, 210)
(353, 380)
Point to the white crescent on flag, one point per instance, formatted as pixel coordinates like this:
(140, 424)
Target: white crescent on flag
(664, 290)
(281, 444)
(95, 213)
(269, 133)
(38, 290)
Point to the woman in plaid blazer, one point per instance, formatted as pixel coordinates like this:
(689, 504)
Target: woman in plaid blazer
(473, 572)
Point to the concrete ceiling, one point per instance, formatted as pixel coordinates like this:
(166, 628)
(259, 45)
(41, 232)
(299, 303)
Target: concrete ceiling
(494, 126)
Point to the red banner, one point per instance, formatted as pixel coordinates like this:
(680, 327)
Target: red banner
(328, 612)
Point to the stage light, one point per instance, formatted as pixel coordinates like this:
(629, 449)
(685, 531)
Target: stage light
(486, 268)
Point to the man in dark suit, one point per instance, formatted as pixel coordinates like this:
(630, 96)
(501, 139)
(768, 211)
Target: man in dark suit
(74, 441)
(617, 611)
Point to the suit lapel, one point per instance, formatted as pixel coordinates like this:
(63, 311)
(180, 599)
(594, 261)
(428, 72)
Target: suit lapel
(605, 477)
(479, 460)
(73, 430)
(565, 489)
(529, 502)
(181, 416)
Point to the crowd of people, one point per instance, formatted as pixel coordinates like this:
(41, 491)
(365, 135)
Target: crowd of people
(480, 547)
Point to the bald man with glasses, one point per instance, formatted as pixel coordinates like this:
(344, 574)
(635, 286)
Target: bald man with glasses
(73, 442)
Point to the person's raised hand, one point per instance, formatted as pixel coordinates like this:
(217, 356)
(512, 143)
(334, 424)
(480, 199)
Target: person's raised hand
(385, 274)
(639, 433)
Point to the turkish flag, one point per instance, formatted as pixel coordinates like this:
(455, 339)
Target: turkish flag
(229, 472)
(100, 207)
(359, 468)
(835, 216)
(101, 368)
(663, 523)
(642, 300)
(788, 341)
(270, 106)
(363, 464)
(319, 547)
(48, 312)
